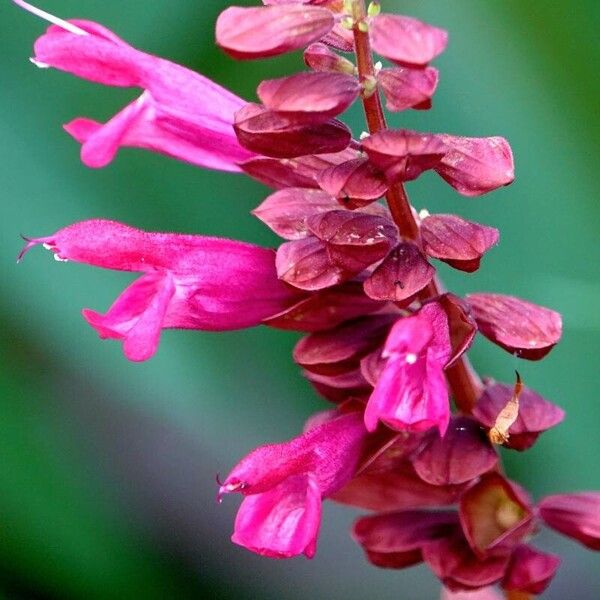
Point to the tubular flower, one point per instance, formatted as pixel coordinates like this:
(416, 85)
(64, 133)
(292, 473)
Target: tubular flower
(180, 113)
(411, 392)
(188, 281)
(283, 485)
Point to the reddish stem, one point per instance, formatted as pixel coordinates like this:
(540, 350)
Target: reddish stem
(462, 379)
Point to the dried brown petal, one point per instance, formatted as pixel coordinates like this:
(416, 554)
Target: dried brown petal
(499, 432)
(520, 327)
(456, 241)
(403, 273)
(536, 415)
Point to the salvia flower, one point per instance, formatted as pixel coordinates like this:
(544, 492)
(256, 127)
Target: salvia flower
(411, 392)
(384, 341)
(283, 485)
(180, 113)
(188, 281)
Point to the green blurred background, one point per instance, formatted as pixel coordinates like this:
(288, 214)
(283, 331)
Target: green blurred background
(107, 467)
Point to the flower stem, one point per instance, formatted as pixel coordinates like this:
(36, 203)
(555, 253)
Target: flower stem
(462, 378)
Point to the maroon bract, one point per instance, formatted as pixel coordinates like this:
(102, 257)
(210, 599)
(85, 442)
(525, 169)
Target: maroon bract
(495, 515)
(476, 166)
(286, 211)
(402, 154)
(326, 309)
(404, 87)
(395, 540)
(396, 487)
(320, 57)
(340, 349)
(462, 326)
(536, 415)
(301, 171)
(257, 32)
(356, 183)
(273, 134)
(453, 561)
(462, 455)
(456, 241)
(310, 97)
(406, 40)
(530, 571)
(306, 265)
(574, 515)
(520, 327)
(354, 240)
(403, 273)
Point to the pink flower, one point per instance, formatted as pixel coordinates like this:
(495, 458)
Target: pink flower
(189, 282)
(180, 113)
(411, 391)
(285, 483)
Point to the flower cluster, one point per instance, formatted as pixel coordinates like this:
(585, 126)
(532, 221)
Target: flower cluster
(383, 341)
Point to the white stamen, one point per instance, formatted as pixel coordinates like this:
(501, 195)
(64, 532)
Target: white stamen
(39, 64)
(60, 258)
(51, 18)
(47, 246)
(364, 135)
(378, 66)
(411, 358)
(423, 214)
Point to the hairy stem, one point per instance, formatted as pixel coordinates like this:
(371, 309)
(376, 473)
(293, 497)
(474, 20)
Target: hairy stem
(464, 383)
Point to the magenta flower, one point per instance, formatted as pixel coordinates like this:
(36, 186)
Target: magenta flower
(285, 483)
(411, 392)
(189, 282)
(180, 113)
